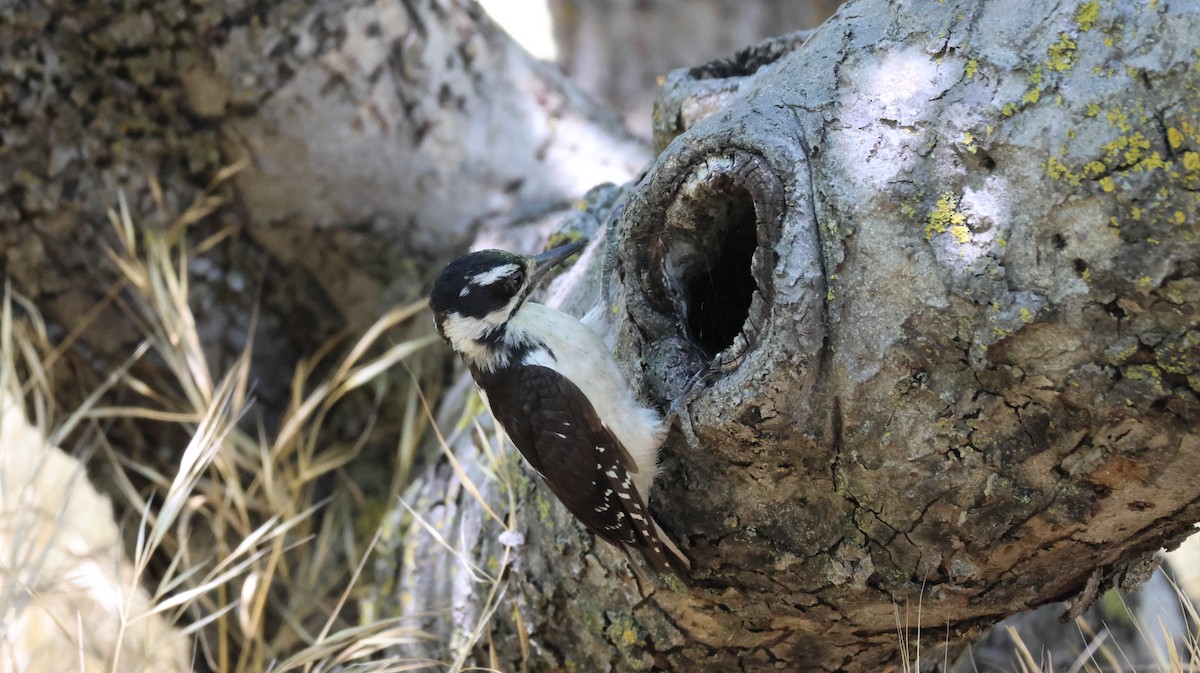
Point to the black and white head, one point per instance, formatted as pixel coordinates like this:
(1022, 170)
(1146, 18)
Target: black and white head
(476, 296)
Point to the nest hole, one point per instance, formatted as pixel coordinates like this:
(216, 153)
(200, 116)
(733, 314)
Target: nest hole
(718, 296)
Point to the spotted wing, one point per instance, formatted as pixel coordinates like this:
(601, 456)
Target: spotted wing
(558, 431)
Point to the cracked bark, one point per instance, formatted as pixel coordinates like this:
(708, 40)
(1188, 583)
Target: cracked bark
(943, 265)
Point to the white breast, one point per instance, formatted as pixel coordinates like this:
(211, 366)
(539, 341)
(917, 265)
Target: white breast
(582, 357)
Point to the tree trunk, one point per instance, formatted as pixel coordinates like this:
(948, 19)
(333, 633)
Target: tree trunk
(615, 50)
(942, 269)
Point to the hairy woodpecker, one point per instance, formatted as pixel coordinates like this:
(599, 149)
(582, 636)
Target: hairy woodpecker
(555, 388)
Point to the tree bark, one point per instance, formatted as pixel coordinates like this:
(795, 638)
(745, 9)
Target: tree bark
(941, 267)
(617, 50)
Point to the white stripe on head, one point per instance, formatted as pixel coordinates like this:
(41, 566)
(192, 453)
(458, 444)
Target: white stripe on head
(492, 275)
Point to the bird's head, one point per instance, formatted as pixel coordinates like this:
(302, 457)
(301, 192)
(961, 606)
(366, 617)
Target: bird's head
(476, 295)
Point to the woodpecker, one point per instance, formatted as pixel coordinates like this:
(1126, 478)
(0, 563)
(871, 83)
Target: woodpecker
(555, 388)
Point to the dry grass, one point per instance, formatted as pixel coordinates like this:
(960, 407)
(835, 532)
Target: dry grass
(235, 549)
(1100, 653)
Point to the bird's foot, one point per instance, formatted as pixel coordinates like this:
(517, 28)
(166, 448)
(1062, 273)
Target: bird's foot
(678, 412)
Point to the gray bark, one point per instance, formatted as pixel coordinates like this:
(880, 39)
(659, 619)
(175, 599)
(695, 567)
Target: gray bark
(616, 50)
(943, 266)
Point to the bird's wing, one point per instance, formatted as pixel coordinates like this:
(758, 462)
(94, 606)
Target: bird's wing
(558, 431)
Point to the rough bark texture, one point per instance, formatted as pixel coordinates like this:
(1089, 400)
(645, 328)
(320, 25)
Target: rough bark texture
(942, 265)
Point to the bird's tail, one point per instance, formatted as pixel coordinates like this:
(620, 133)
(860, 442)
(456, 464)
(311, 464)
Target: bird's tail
(663, 555)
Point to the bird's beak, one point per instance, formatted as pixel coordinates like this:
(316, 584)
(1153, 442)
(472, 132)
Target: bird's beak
(552, 258)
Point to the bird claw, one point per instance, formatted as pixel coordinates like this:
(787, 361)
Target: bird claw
(678, 415)
(678, 412)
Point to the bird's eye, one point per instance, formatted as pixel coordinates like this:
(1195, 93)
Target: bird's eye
(512, 283)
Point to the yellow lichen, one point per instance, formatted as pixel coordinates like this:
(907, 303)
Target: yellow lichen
(961, 233)
(1174, 138)
(1151, 162)
(1191, 162)
(1093, 109)
(944, 216)
(1125, 353)
(1008, 110)
(1147, 373)
(564, 237)
(1118, 119)
(1137, 143)
(1130, 149)
(1057, 170)
(971, 69)
(1106, 183)
(1031, 96)
(1087, 14)
(1026, 315)
(1061, 54)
